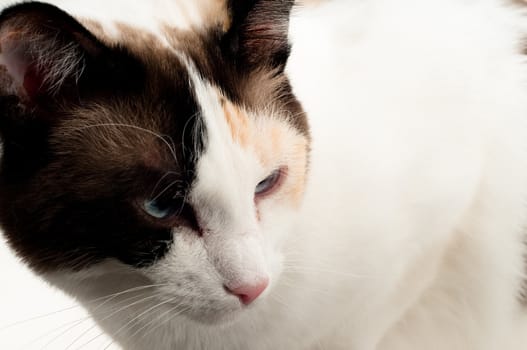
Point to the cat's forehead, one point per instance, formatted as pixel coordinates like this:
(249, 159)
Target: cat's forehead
(203, 38)
(164, 97)
(108, 122)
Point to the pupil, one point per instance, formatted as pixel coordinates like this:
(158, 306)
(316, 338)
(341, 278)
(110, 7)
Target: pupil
(267, 183)
(157, 209)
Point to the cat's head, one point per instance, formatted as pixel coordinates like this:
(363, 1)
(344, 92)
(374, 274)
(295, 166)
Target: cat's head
(181, 160)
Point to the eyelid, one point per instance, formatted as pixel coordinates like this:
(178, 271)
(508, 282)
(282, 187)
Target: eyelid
(149, 206)
(183, 214)
(281, 174)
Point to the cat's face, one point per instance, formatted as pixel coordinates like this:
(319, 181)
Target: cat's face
(184, 163)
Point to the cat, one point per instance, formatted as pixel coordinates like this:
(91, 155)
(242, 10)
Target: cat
(197, 182)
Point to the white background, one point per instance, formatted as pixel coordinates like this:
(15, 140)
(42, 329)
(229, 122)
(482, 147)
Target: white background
(35, 316)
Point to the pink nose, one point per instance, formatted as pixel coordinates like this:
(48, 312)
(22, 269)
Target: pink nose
(249, 292)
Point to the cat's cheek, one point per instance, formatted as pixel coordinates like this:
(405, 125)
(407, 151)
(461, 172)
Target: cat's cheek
(189, 280)
(196, 271)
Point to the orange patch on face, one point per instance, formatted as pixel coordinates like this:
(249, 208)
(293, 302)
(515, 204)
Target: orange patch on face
(275, 143)
(298, 171)
(238, 122)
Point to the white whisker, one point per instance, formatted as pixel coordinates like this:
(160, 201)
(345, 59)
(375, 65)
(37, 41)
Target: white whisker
(163, 138)
(110, 315)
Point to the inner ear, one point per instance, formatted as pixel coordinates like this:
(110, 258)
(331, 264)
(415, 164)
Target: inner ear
(42, 50)
(258, 35)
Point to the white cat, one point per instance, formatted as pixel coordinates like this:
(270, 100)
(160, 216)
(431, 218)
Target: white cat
(161, 171)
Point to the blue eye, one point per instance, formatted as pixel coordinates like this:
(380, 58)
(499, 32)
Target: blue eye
(268, 184)
(157, 209)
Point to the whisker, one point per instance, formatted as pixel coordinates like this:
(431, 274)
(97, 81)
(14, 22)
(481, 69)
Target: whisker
(109, 297)
(75, 324)
(166, 189)
(37, 317)
(87, 318)
(179, 312)
(289, 283)
(125, 325)
(163, 138)
(185, 130)
(142, 314)
(110, 315)
(151, 322)
(50, 332)
(298, 268)
(159, 181)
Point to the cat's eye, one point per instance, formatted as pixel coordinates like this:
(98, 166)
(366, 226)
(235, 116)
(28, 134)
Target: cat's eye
(269, 184)
(158, 209)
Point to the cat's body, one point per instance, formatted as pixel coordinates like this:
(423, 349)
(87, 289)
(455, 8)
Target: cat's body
(415, 156)
(399, 220)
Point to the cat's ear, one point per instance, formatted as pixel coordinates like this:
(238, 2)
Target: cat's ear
(258, 32)
(43, 50)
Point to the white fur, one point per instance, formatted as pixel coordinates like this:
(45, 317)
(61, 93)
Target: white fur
(420, 145)
(150, 16)
(410, 233)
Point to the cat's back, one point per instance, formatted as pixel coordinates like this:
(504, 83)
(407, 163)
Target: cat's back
(417, 111)
(380, 79)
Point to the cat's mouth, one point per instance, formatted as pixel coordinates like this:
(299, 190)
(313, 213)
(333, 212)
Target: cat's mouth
(208, 311)
(212, 306)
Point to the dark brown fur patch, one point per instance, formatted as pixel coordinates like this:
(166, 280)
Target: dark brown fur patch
(78, 165)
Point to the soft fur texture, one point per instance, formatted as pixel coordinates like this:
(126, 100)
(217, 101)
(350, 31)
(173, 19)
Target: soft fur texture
(398, 222)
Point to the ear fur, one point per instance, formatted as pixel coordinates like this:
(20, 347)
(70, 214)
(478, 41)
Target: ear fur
(46, 58)
(258, 34)
(42, 50)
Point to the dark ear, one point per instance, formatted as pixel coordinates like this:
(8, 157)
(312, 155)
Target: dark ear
(42, 51)
(258, 32)
(47, 58)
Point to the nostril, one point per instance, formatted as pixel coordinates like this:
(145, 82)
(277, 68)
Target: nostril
(247, 293)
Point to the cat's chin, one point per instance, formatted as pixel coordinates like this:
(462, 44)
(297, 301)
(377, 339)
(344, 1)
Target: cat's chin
(223, 318)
